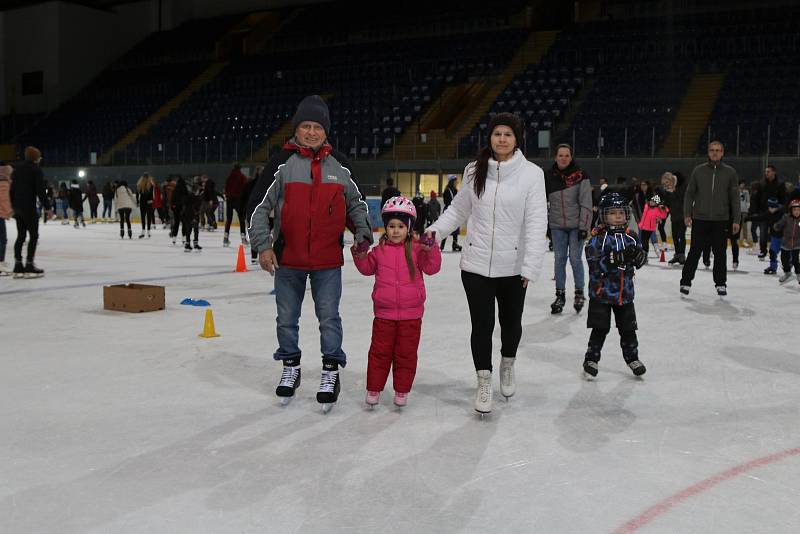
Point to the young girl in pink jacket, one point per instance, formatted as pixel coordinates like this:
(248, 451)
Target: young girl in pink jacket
(398, 262)
(654, 211)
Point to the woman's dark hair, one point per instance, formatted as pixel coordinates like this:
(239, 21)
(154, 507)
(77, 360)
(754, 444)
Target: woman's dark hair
(482, 162)
(564, 145)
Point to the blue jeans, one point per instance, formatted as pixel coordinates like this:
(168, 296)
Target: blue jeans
(106, 208)
(326, 290)
(567, 244)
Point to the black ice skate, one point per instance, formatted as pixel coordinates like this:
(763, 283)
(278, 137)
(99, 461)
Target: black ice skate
(722, 291)
(580, 300)
(589, 369)
(637, 367)
(197, 246)
(290, 381)
(329, 386)
(31, 271)
(225, 241)
(19, 270)
(187, 247)
(558, 305)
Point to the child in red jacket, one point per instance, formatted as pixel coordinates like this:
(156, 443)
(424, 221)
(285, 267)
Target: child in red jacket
(397, 262)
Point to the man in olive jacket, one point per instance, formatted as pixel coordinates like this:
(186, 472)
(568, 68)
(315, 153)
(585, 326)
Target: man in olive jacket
(710, 205)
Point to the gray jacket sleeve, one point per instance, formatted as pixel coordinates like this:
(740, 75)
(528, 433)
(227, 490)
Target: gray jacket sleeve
(260, 231)
(357, 212)
(735, 201)
(688, 197)
(585, 201)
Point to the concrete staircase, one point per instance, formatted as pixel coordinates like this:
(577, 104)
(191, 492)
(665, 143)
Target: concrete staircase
(470, 101)
(693, 115)
(206, 76)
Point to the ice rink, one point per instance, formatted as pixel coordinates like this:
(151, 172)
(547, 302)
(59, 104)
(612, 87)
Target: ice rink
(131, 423)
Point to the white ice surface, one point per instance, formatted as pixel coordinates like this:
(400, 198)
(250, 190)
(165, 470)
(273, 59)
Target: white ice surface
(116, 422)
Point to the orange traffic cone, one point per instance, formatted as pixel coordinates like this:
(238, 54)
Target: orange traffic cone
(663, 256)
(241, 265)
(208, 325)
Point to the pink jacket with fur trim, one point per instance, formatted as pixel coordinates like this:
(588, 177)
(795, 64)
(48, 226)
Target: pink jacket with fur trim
(651, 216)
(396, 296)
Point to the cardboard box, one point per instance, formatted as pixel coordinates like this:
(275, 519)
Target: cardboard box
(133, 298)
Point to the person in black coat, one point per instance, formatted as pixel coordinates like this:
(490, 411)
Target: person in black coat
(27, 184)
(447, 197)
(76, 202)
(674, 194)
(389, 191)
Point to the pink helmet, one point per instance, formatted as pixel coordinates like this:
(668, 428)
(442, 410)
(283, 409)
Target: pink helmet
(399, 208)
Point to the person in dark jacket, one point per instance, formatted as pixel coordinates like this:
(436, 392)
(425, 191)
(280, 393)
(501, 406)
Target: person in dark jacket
(569, 197)
(94, 200)
(108, 201)
(389, 191)
(62, 201)
(306, 237)
(422, 213)
(233, 193)
(27, 184)
(613, 253)
(190, 215)
(447, 197)
(710, 203)
(674, 191)
(770, 187)
(176, 198)
(434, 208)
(76, 202)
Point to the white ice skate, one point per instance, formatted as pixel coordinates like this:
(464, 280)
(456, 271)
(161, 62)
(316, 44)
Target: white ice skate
(508, 385)
(483, 395)
(785, 277)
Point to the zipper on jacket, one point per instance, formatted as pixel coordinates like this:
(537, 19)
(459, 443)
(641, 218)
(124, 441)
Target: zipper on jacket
(713, 183)
(494, 217)
(563, 209)
(621, 285)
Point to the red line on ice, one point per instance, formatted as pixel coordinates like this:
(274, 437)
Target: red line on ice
(692, 491)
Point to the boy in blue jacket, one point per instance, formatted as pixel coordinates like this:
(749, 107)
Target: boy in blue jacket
(613, 253)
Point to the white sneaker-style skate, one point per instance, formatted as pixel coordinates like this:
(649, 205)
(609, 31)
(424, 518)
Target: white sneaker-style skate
(400, 399)
(508, 385)
(483, 395)
(785, 277)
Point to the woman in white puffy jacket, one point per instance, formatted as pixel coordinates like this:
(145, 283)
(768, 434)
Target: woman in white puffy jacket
(503, 201)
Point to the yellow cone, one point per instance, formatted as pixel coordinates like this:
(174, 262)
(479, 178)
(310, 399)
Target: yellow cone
(208, 327)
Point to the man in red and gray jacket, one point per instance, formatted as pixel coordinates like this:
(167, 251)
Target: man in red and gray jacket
(309, 189)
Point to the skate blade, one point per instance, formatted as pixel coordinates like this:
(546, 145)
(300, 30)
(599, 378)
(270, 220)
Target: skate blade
(327, 407)
(286, 400)
(588, 377)
(28, 276)
(482, 414)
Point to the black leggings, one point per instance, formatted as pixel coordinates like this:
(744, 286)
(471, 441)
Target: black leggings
(27, 223)
(679, 236)
(176, 222)
(232, 204)
(189, 224)
(646, 240)
(481, 294)
(124, 218)
(93, 211)
(662, 231)
(148, 217)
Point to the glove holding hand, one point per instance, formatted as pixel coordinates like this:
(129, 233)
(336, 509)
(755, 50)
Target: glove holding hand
(634, 256)
(361, 248)
(428, 239)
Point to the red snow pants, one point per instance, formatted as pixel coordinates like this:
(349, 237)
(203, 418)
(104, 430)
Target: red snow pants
(394, 346)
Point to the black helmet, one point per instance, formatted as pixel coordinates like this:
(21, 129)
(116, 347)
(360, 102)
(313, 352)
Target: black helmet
(611, 201)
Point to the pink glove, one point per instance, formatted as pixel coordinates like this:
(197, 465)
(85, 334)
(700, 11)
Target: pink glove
(428, 241)
(362, 247)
